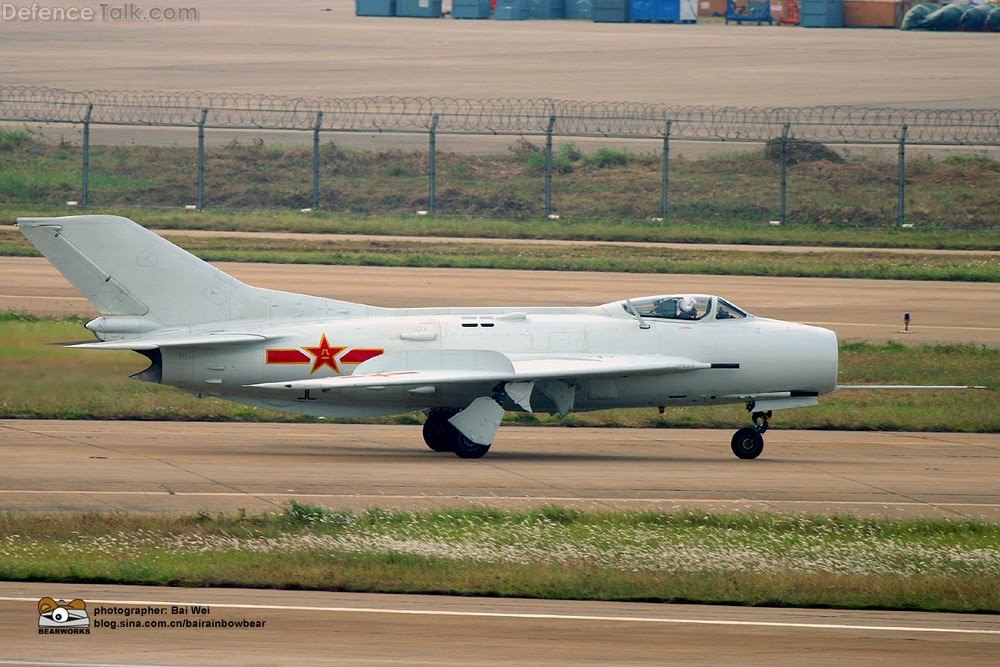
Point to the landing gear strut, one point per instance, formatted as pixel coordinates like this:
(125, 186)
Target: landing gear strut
(441, 436)
(748, 443)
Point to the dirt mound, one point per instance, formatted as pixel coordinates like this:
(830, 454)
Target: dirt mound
(800, 150)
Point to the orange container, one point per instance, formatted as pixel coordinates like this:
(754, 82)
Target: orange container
(874, 13)
(785, 12)
(711, 7)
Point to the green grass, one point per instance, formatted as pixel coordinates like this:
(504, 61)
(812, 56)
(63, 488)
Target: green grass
(842, 264)
(552, 552)
(269, 220)
(734, 193)
(51, 382)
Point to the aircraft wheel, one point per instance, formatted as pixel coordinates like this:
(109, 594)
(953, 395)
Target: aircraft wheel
(437, 430)
(748, 443)
(465, 448)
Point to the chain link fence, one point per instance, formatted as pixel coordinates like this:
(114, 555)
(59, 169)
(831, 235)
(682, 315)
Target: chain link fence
(513, 158)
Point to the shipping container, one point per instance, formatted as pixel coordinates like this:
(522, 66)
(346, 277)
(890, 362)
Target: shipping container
(610, 11)
(375, 7)
(874, 13)
(579, 9)
(712, 8)
(822, 14)
(421, 9)
(662, 11)
(511, 10)
(785, 12)
(546, 9)
(470, 9)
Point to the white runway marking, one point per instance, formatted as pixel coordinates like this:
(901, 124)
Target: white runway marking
(82, 664)
(555, 617)
(390, 496)
(42, 296)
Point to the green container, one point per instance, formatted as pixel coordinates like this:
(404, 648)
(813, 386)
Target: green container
(421, 9)
(470, 9)
(375, 7)
(610, 11)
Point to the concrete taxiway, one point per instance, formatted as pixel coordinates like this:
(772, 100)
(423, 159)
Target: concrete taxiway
(313, 48)
(301, 627)
(942, 312)
(167, 466)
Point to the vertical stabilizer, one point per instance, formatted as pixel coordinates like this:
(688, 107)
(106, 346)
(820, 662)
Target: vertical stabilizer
(125, 269)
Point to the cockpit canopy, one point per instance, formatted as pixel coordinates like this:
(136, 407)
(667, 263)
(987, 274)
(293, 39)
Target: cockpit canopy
(682, 307)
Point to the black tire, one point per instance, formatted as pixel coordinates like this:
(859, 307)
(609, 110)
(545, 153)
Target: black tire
(465, 448)
(748, 443)
(437, 431)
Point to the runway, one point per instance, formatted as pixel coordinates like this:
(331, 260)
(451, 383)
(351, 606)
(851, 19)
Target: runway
(344, 628)
(942, 312)
(190, 467)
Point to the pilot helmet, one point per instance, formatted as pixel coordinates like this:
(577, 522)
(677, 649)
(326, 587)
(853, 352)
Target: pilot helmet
(686, 304)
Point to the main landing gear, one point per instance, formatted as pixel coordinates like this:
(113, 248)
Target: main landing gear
(441, 436)
(748, 443)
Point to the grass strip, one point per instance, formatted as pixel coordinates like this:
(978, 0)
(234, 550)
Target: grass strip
(589, 229)
(42, 381)
(551, 552)
(894, 266)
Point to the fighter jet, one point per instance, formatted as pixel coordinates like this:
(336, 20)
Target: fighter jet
(209, 334)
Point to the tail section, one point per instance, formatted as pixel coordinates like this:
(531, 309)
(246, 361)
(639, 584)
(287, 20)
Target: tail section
(127, 270)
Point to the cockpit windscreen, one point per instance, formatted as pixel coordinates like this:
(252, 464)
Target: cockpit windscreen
(672, 307)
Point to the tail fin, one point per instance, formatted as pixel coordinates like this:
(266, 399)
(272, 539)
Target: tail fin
(125, 269)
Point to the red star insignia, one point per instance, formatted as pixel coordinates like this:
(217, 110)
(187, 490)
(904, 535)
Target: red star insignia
(324, 355)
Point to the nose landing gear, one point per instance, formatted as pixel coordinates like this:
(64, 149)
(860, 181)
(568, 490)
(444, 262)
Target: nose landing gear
(748, 442)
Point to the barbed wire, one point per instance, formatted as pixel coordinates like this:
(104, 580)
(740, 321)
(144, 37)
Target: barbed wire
(833, 124)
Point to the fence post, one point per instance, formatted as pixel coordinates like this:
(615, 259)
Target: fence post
(901, 186)
(548, 165)
(201, 159)
(85, 195)
(316, 127)
(432, 166)
(665, 190)
(784, 174)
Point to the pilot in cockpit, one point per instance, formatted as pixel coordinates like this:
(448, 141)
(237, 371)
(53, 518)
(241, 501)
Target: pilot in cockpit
(676, 308)
(687, 308)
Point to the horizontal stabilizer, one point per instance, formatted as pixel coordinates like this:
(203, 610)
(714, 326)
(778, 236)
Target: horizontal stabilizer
(175, 341)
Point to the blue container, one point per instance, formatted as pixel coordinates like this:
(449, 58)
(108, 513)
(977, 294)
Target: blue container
(375, 8)
(579, 9)
(822, 14)
(470, 9)
(545, 9)
(511, 10)
(654, 11)
(610, 11)
(640, 10)
(421, 9)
